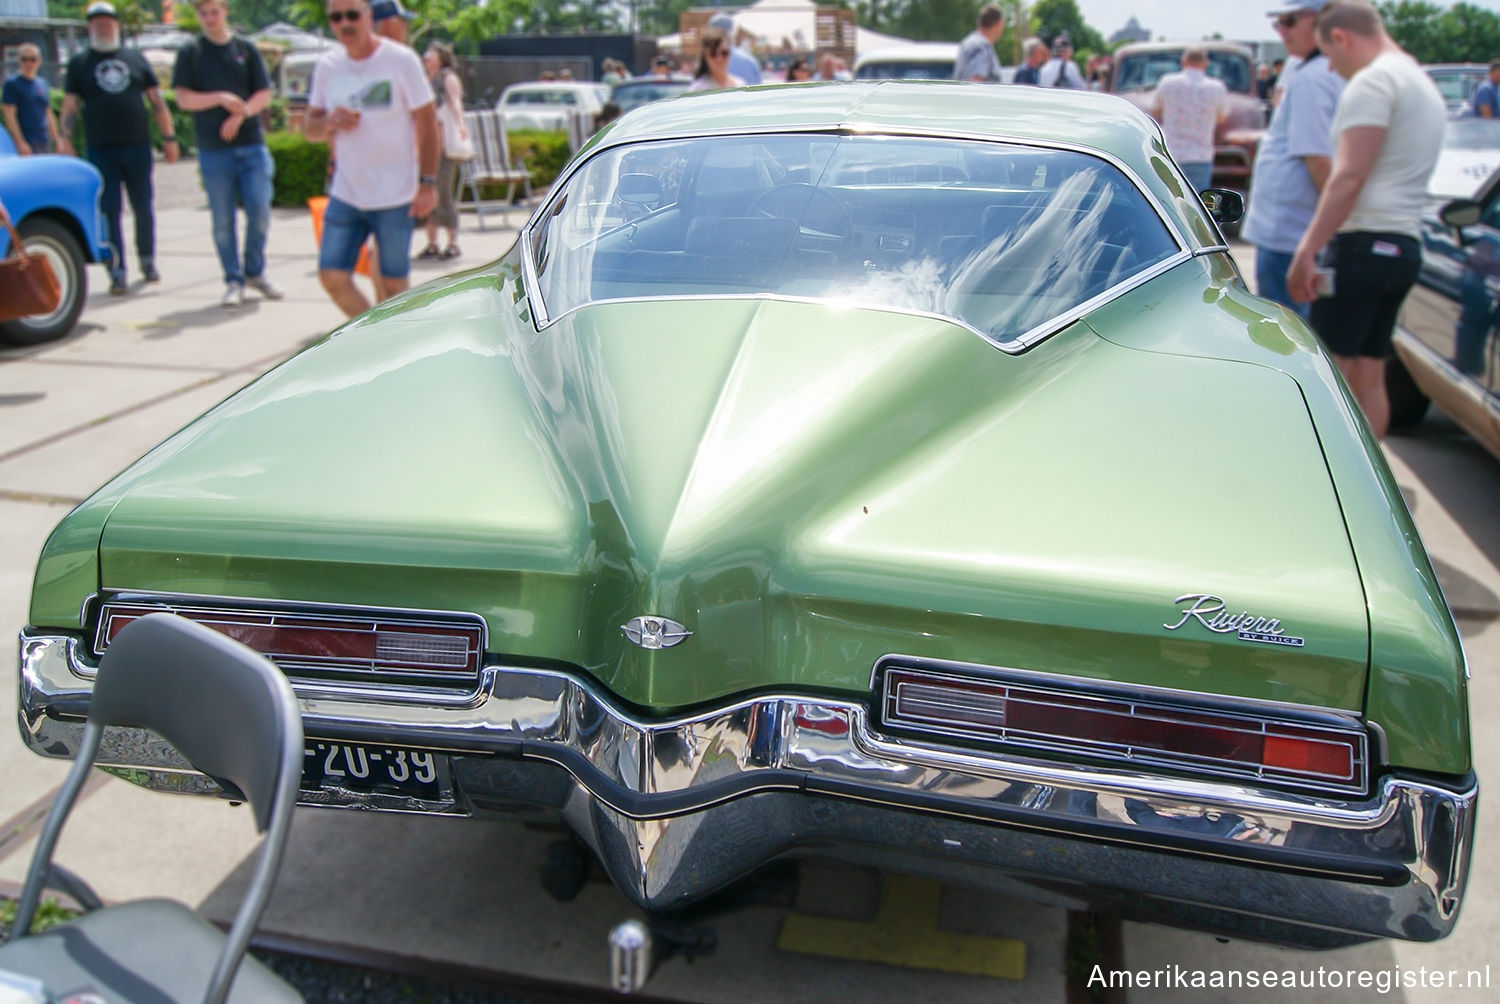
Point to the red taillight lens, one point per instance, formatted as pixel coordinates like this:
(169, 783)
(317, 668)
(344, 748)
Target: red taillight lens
(375, 643)
(1102, 724)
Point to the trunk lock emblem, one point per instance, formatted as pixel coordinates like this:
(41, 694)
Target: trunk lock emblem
(655, 632)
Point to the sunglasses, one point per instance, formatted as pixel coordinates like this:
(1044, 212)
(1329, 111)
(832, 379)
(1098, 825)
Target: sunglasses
(716, 53)
(1288, 20)
(335, 16)
(30, 59)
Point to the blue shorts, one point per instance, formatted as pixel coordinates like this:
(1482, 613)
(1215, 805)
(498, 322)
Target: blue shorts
(345, 229)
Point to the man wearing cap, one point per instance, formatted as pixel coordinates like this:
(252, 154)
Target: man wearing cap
(374, 96)
(1295, 154)
(28, 107)
(741, 63)
(976, 53)
(1060, 70)
(111, 82)
(221, 79)
(391, 20)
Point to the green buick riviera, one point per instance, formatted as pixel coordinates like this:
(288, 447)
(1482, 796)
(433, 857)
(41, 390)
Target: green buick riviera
(893, 472)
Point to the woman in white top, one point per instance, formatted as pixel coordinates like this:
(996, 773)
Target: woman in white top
(713, 64)
(448, 89)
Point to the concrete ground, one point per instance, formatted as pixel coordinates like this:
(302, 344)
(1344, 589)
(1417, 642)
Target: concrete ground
(137, 368)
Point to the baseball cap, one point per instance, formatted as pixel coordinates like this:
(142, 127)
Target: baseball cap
(382, 9)
(100, 8)
(1061, 42)
(1298, 5)
(721, 21)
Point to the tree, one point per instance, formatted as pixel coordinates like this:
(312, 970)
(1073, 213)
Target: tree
(1054, 17)
(1463, 33)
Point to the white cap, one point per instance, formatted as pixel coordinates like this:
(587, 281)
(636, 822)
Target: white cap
(100, 8)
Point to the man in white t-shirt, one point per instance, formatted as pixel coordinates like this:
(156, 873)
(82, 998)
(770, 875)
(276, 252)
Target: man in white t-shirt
(374, 96)
(1388, 128)
(1190, 105)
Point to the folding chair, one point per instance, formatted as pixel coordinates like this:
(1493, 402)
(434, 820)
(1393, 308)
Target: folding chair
(233, 715)
(492, 162)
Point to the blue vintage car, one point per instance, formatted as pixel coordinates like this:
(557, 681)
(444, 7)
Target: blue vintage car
(54, 202)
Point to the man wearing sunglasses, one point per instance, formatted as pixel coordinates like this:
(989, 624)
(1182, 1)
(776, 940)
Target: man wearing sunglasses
(374, 98)
(27, 106)
(1295, 156)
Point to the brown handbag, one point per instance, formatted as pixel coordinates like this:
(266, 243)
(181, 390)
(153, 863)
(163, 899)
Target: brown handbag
(27, 283)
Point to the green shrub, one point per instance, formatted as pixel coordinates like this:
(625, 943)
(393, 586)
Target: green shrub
(182, 126)
(276, 114)
(545, 153)
(301, 168)
(56, 97)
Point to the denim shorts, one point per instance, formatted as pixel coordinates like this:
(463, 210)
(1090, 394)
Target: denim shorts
(345, 229)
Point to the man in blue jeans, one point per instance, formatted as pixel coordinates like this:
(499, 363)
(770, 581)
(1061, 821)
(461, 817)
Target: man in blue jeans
(1295, 156)
(373, 95)
(221, 79)
(111, 82)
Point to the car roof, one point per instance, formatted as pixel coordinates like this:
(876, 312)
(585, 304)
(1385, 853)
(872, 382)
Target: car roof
(1084, 120)
(936, 51)
(1211, 46)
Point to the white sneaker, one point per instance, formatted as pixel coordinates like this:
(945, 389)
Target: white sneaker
(265, 287)
(234, 295)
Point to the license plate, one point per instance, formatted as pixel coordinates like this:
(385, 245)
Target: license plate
(381, 770)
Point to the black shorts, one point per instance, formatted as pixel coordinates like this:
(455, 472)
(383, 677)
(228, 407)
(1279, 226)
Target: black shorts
(1372, 274)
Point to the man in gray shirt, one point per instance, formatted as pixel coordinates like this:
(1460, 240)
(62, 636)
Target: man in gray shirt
(1295, 155)
(976, 53)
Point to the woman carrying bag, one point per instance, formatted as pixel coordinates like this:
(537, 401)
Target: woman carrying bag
(448, 91)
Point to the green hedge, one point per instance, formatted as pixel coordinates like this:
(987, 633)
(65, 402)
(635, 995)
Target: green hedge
(301, 168)
(545, 153)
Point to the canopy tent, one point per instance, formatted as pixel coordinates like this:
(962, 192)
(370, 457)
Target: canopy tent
(786, 24)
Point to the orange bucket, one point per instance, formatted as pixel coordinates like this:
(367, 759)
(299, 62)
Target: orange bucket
(317, 204)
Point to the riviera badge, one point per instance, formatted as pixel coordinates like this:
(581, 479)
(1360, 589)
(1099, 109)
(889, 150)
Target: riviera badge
(1210, 611)
(655, 632)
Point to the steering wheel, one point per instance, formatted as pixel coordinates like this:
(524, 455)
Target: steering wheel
(818, 212)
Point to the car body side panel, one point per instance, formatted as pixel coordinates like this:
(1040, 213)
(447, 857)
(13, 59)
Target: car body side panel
(1417, 663)
(65, 188)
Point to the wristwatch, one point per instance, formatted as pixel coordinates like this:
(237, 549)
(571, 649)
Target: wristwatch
(428, 179)
(169, 139)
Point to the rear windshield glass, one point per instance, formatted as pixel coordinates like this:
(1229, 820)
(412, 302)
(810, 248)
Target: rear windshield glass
(1000, 237)
(906, 69)
(1141, 72)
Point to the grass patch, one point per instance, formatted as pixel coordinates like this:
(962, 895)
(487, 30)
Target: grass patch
(48, 914)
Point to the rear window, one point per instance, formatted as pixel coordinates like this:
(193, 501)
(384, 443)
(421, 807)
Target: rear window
(1000, 237)
(906, 69)
(1142, 71)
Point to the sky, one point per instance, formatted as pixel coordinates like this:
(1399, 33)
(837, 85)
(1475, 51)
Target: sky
(1236, 19)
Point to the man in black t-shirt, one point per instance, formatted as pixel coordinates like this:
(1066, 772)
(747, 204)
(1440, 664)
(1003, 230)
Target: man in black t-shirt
(221, 79)
(111, 82)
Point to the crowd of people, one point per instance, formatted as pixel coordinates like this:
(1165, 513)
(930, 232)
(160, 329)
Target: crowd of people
(1339, 178)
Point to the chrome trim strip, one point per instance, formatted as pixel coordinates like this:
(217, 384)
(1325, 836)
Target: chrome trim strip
(1392, 864)
(544, 319)
(1215, 249)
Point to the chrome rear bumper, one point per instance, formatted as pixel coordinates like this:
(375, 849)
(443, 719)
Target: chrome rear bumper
(678, 809)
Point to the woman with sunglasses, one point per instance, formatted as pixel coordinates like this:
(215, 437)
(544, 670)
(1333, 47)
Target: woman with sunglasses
(713, 64)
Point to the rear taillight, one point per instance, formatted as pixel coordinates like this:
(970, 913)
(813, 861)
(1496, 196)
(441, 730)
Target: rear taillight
(1098, 721)
(374, 646)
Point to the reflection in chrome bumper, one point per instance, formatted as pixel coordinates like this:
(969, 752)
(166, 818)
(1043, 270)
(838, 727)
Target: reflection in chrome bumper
(677, 809)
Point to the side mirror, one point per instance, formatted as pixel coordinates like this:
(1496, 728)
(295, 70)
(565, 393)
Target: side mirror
(1461, 213)
(639, 189)
(1224, 204)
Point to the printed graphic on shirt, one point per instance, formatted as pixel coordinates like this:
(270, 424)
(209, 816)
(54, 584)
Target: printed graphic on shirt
(377, 95)
(112, 75)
